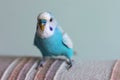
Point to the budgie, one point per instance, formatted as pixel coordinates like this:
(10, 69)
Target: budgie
(51, 40)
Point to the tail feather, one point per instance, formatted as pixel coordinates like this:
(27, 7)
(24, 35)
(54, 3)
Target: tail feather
(75, 53)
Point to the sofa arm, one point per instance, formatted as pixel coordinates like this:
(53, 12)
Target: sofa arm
(24, 68)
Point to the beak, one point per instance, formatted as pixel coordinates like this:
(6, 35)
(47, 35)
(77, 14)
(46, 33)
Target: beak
(42, 23)
(42, 26)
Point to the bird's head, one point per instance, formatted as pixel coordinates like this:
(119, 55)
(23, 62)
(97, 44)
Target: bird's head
(46, 25)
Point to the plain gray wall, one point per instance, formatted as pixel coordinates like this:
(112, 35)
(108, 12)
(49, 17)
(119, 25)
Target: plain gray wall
(93, 25)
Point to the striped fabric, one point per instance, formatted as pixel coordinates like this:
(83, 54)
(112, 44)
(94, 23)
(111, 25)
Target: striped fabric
(14, 74)
(116, 71)
(25, 69)
(55, 69)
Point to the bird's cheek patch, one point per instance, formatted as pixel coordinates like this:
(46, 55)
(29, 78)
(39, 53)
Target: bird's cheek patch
(51, 28)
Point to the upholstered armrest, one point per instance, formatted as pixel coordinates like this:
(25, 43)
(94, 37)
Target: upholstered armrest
(20, 68)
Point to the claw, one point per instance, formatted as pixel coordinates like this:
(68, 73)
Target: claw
(69, 64)
(40, 63)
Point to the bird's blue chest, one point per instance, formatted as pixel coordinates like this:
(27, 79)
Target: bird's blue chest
(53, 44)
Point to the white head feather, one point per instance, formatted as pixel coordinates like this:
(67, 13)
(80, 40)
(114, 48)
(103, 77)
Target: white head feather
(47, 32)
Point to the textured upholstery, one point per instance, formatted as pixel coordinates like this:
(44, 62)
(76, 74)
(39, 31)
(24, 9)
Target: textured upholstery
(24, 68)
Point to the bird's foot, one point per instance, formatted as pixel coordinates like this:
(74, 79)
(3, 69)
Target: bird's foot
(70, 64)
(40, 64)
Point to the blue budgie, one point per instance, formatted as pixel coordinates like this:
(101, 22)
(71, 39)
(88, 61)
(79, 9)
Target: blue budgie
(51, 40)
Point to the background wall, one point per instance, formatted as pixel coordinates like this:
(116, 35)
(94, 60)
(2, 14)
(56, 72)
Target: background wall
(94, 26)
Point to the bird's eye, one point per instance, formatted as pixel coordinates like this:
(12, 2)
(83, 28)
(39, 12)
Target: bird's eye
(51, 19)
(51, 28)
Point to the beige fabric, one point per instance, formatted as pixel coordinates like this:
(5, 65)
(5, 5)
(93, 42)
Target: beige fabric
(86, 70)
(81, 70)
(17, 69)
(10, 68)
(116, 71)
